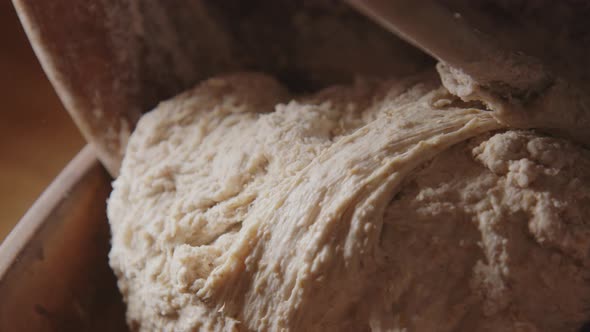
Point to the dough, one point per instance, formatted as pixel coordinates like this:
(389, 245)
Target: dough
(382, 206)
(557, 106)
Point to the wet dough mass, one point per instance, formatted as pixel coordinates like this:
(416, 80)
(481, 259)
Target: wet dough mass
(383, 206)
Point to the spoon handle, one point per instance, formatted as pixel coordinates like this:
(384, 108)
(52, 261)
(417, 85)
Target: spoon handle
(447, 37)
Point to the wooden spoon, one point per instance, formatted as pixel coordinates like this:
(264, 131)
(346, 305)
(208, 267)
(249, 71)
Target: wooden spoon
(447, 37)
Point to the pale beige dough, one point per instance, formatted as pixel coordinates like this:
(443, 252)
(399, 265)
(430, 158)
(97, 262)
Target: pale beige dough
(382, 206)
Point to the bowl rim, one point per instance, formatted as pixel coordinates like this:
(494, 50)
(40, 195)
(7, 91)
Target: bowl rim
(21, 235)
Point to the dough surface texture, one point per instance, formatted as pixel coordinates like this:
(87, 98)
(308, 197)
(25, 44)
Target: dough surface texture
(378, 206)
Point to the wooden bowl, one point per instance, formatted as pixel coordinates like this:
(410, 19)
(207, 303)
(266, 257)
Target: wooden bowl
(54, 273)
(111, 60)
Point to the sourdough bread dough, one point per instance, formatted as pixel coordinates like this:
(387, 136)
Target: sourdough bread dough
(382, 206)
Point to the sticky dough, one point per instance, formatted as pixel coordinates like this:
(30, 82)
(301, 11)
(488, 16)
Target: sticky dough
(379, 206)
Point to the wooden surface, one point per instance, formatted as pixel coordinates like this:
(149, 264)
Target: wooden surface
(37, 136)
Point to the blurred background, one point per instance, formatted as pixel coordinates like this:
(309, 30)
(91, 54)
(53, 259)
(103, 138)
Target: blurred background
(37, 136)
